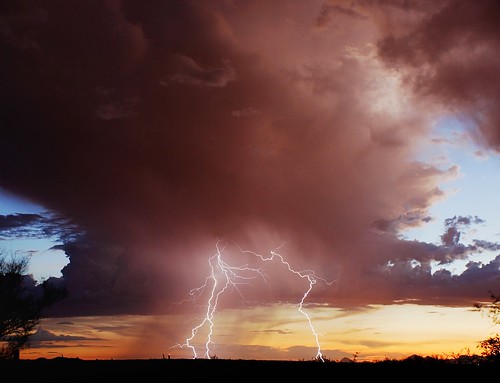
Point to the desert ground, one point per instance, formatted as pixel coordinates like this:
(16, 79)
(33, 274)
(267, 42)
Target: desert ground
(165, 370)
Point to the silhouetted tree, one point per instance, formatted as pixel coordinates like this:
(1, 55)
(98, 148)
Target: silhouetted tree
(21, 304)
(491, 347)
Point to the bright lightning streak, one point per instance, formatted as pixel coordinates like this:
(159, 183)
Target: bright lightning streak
(312, 278)
(231, 276)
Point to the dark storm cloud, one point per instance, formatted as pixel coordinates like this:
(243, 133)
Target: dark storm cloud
(487, 245)
(452, 55)
(43, 335)
(158, 127)
(13, 221)
(452, 235)
(47, 339)
(44, 225)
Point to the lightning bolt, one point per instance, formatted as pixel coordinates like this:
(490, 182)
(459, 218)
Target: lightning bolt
(223, 276)
(312, 279)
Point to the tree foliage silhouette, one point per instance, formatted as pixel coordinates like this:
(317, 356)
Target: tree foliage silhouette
(491, 347)
(21, 305)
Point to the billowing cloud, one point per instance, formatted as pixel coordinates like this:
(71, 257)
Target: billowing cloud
(167, 126)
(451, 56)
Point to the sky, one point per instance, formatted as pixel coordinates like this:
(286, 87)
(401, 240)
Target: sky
(253, 179)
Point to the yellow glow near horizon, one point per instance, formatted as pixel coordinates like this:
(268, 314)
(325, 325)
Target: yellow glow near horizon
(274, 332)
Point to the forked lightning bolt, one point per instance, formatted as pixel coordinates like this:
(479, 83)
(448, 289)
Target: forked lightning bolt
(312, 278)
(230, 276)
(223, 276)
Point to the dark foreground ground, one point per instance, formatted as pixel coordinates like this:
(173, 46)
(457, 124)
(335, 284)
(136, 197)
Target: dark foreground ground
(221, 370)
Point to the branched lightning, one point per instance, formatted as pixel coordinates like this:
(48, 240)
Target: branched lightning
(228, 276)
(312, 279)
(222, 276)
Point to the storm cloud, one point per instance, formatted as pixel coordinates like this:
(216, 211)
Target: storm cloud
(160, 127)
